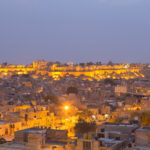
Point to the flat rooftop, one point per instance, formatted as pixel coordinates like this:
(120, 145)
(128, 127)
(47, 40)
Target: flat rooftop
(3, 122)
(143, 147)
(107, 140)
(33, 130)
(144, 129)
(121, 124)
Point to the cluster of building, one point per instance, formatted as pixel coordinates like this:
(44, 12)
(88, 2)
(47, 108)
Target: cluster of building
(109, 136)
(41, 104)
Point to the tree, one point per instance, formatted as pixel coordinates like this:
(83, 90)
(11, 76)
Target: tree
(82, 64)
(85, 127)
(72, 90)
(109, 81)
(4, 64)
(25, 75)
(116, 119)
(90, 63)
(10, 103)
(53, 99)
(2, 141)
(99, 63)
(85, 115)
(110, 63)
(144, 117)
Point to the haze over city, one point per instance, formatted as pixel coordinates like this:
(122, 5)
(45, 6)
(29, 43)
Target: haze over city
(74, 74)
(78, 31)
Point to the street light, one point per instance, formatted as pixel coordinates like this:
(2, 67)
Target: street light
(66, 107)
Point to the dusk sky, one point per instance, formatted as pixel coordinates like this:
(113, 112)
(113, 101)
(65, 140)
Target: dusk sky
(74, 30)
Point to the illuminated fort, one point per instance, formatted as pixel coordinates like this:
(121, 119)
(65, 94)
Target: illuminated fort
(97, 72)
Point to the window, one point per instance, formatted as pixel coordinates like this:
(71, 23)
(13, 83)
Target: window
(102, 130)
(6, 131)
(25, 137)
(100, 143)
(100, 135)
(86, 145)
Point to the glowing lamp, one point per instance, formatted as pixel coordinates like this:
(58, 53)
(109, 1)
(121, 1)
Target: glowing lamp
(66, 107)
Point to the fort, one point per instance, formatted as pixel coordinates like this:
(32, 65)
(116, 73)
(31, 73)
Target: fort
(97, 72)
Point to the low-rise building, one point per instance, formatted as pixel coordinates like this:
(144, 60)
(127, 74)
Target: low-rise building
(91, 143)
(39, 139)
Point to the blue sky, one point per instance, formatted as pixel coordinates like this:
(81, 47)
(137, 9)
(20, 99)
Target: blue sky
(74, 30)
